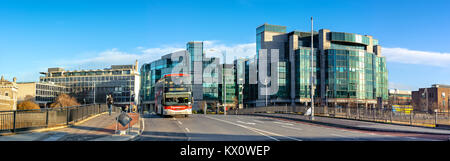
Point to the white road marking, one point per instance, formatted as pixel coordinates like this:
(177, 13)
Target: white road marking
(414, 138)
(180, 122)
(258, 121)
(257, 130)
(250, 123)
(339, 135)
(291, 127)
(283, 123)
(245, 128)
(187, 129)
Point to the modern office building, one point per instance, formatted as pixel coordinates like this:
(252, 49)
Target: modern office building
(227, 86)
(203, 71)
(88, 86)
(40, 92)
(399, 97)
(8, 94)
(348, 68)
(433, 98)
(240, 79)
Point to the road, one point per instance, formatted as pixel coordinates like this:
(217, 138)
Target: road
(250, 128)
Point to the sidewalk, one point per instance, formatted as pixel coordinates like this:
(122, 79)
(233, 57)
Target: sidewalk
(360, 125)
(97, 128)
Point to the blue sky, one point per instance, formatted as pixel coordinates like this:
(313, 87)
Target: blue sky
(38, 34)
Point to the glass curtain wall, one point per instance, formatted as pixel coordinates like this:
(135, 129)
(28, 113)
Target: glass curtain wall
(303, 72)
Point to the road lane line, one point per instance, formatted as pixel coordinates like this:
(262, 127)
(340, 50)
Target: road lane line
(248, 128)
(291, 127)
(255, 129)
(180, 122)
(339, 135)
(278, 135)
(282, 123)
(187, 129)
(250, 123)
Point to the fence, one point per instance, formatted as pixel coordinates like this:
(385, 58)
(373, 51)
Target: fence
(361, 113)
(21, 120)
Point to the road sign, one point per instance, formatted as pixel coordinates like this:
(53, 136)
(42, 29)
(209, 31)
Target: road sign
(124, 119)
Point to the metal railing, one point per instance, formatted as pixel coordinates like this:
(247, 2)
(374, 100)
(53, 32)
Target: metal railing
(22, 120)
(367, 114)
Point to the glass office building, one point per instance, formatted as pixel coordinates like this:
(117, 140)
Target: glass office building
(348, 68)
(203, 71)
(227, 87)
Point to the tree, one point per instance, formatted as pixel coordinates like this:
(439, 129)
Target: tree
(64, 100)
(27, 105)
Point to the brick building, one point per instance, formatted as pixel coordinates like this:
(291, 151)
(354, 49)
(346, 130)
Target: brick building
(429, 99)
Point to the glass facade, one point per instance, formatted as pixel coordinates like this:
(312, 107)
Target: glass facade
(348, 37)
(227, 89)
(303, 72)
(356, 74)
(210, 84)
(205, 84)
(345, 67)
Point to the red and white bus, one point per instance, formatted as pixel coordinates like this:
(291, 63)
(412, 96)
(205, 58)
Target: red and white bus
(173, 95)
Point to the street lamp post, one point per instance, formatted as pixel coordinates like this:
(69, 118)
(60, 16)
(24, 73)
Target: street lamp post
(224, 82)
(94, 92)
(241, 96)
(266, 81)
(311, 76)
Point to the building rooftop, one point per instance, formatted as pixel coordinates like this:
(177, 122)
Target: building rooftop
(440, 86)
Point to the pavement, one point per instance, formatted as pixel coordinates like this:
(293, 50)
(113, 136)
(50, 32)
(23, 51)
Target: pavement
(359, 125)
(100, 127)
(200, 127)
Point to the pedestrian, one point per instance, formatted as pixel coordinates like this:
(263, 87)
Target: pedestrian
(109, 102)
(125, 108)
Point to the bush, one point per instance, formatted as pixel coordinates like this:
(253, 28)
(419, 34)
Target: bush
(27, 105)
(64, 100)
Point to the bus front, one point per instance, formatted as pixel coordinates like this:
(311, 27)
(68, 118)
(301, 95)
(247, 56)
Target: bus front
(177, 96)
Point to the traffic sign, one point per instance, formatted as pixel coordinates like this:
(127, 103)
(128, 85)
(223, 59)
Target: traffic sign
(124, 119)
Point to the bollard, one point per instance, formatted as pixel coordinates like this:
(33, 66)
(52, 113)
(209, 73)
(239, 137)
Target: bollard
(67, 116)
(46, 117)
(435, 118)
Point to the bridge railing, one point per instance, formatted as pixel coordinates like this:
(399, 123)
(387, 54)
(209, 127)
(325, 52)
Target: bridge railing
(22, 120)
(418, 118)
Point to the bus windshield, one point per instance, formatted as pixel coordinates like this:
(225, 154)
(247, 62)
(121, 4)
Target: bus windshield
(176, 99)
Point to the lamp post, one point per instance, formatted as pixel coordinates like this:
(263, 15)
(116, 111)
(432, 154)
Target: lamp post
(312, 71)
(266, 82)
(223, 78)
(94, 91)
(241, 96)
